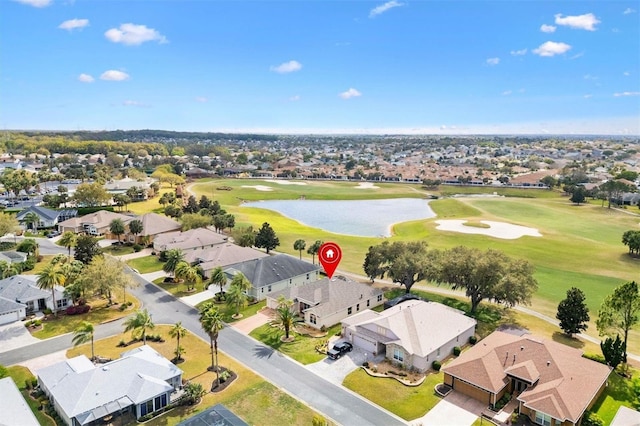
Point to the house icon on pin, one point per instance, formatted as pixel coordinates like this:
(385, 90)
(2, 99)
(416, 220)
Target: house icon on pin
(330, 254)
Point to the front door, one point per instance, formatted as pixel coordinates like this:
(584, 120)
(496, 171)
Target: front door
(42, 305)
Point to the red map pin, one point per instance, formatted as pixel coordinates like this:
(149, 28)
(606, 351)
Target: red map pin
(330, 256)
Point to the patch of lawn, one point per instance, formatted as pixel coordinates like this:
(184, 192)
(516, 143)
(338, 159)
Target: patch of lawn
(152, 204)
(46, 259)
(146, 264)
(408, 402)
(302, 349)
(99, 313)
(118, 250)
(620, 391)
(20, 375)
(227, 312)
(178, 289)
(243, 396)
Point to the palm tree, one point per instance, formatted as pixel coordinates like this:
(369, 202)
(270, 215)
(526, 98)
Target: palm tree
(140, 321)
(178, 331)
(212, 323)
(300, 245)
(49, 278)
(173, 256)
(8, 269)
(136, 227)
(241, 281)
(84, 334)
(236, 298)
(116, 227)
(285, 315)
(68, 240)
(190, 274)
(32, 219)
(218, 278)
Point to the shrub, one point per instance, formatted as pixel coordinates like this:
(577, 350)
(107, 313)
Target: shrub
(122, 307)
(7, 245)
(224, 376)
(456, 350)
(436, 365)
(365, 364)
(318, 420)
(473, 340)
(137, 247)
(28, 264)
(47, 311)
(595, 357)
(34, 382)
(122, 344)
(27, 384)
(163, 256)
(592, 419)
(78, 309)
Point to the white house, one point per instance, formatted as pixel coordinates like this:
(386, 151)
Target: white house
(14, 410)
(48, 217)
(20, 296)
(141, 381)
(413, 333)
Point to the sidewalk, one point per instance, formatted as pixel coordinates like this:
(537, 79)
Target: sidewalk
(141, 253)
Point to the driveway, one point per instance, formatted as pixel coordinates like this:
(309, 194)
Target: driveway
(336, 370)
(454, 410)
(15, 335)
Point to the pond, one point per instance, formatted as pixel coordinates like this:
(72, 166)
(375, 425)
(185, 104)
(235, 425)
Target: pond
(364, 218)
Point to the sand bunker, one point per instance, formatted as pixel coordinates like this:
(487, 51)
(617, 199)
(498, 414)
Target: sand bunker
(285, 182)
(502, 230)
(366, 185)
(259, 187)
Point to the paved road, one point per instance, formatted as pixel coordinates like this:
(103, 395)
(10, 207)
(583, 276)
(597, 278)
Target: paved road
(46, 246)
(333, 401)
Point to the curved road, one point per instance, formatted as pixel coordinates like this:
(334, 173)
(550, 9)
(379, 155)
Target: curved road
(335, 402)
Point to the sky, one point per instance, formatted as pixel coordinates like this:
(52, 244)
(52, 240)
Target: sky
(332, 66)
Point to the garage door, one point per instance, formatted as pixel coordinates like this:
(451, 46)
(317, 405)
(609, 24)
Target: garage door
(9, 317)
(364, 344)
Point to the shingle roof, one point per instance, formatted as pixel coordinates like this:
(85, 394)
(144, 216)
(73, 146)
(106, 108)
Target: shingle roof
(223, 255)
(626, 416)
(154, 224)
(7, 305)
(14, 410)
(99, 219)
(188, 240)
(567, 383)
(328, 296)
(272, 269)
(22, 288)
(43, 212)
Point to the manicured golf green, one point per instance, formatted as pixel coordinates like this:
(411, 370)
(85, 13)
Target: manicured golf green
(580, 245)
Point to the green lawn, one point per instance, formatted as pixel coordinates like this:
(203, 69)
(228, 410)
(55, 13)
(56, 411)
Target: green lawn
(620, 391)
(178, 289)
(146, 264)
(408, 402)
(302, 349)
(19, 375)
(118, 250)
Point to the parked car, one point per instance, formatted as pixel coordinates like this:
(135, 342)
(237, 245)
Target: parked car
(339, 349)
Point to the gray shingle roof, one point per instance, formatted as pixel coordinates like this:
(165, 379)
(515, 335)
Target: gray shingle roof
(222, 255)
(7, 306)
(22, 288)
(193, 238)
(13, 408)
(43, 212)
(272, 269)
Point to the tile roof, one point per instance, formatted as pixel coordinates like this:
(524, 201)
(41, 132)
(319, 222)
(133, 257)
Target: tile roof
(565, 382)
(272, 269)
(188, 240)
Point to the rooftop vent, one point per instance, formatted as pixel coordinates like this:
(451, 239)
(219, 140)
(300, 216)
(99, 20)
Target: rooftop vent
(522, 348)
(548, 363)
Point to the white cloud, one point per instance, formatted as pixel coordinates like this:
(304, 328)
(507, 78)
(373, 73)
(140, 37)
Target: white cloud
(133, 35)
(378, 10)
(577, 55)
(351, 93)
(493, 61)
(507, 93)
(287, 67)
(85, 78)
(547, 28)
(72, 24)
(588, 96)
(590, 77)
(629, 11)
(617, 95)
(114, 75)
(294, 98)
(588, 21)
(519, 52)
(201, 99)
(551, 48)
(35, 3)
(135, 104)
(626, 73)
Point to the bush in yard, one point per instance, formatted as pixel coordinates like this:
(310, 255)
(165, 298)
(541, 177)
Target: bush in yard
(436, 365)
(595, 357)
(137, 248)
(592, 419)
(473, 340)
(456, 350)
(78, 309)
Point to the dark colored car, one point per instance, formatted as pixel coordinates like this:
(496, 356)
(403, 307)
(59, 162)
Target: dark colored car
(339, 349)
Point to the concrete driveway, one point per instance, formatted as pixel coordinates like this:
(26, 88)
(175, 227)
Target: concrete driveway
(454, 410)
(15, 335)
(336, 370)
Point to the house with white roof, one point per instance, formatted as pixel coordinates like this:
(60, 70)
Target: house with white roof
(20, 296)
(140, 382)
(14, 410)
(413, 333)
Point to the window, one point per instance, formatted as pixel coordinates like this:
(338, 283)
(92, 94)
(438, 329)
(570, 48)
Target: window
(261, 289)
(543, 419)
(290, 281)
(307, 276)
(157, 403)
(269, 288)
(61, 303)
(379, 298)
(368, 303)
(349, 310)
(312, 319)
(357, 307)
(398, 354)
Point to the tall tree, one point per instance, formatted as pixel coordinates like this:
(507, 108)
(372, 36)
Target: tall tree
(404, 263)
(573, 312)
(578, 194)
(117, 228)
(240, 280)
(236, 298)
(91, 194)
(8, 224)
(211, 322)
(174, 257)
(139, 324)
(177, 332)
(285, 316)
(266, 238)
(218, 278)
(299, 245)
(136, 227)
(106, 275)
(32, 219)
(631, 239)
(190, 274)
(68, 240)
(614, 351)
(619, 312)
(50, 277)
(195, 220)
(84, 334)
(313, 250)
(87, 248)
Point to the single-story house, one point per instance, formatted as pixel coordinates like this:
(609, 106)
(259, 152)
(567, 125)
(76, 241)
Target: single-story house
(193, 239)
(121, 186)
(13, 256)
(413, 333)
(273, 273)
(153, 224)
(141, 381)
(20, 296)
(326, 302)
(14, 410)
(96, 223)
(48, 217)
(554, 385)
(222, 255)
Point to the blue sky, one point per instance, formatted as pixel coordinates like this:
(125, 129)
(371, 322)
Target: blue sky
(452, 67)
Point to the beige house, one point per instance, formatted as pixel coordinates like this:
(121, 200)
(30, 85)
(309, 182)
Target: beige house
(553, 383)
(191, 240)
(222, 255)
(413, 333)
(96, 223)
(153, 225)
(326, 302)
